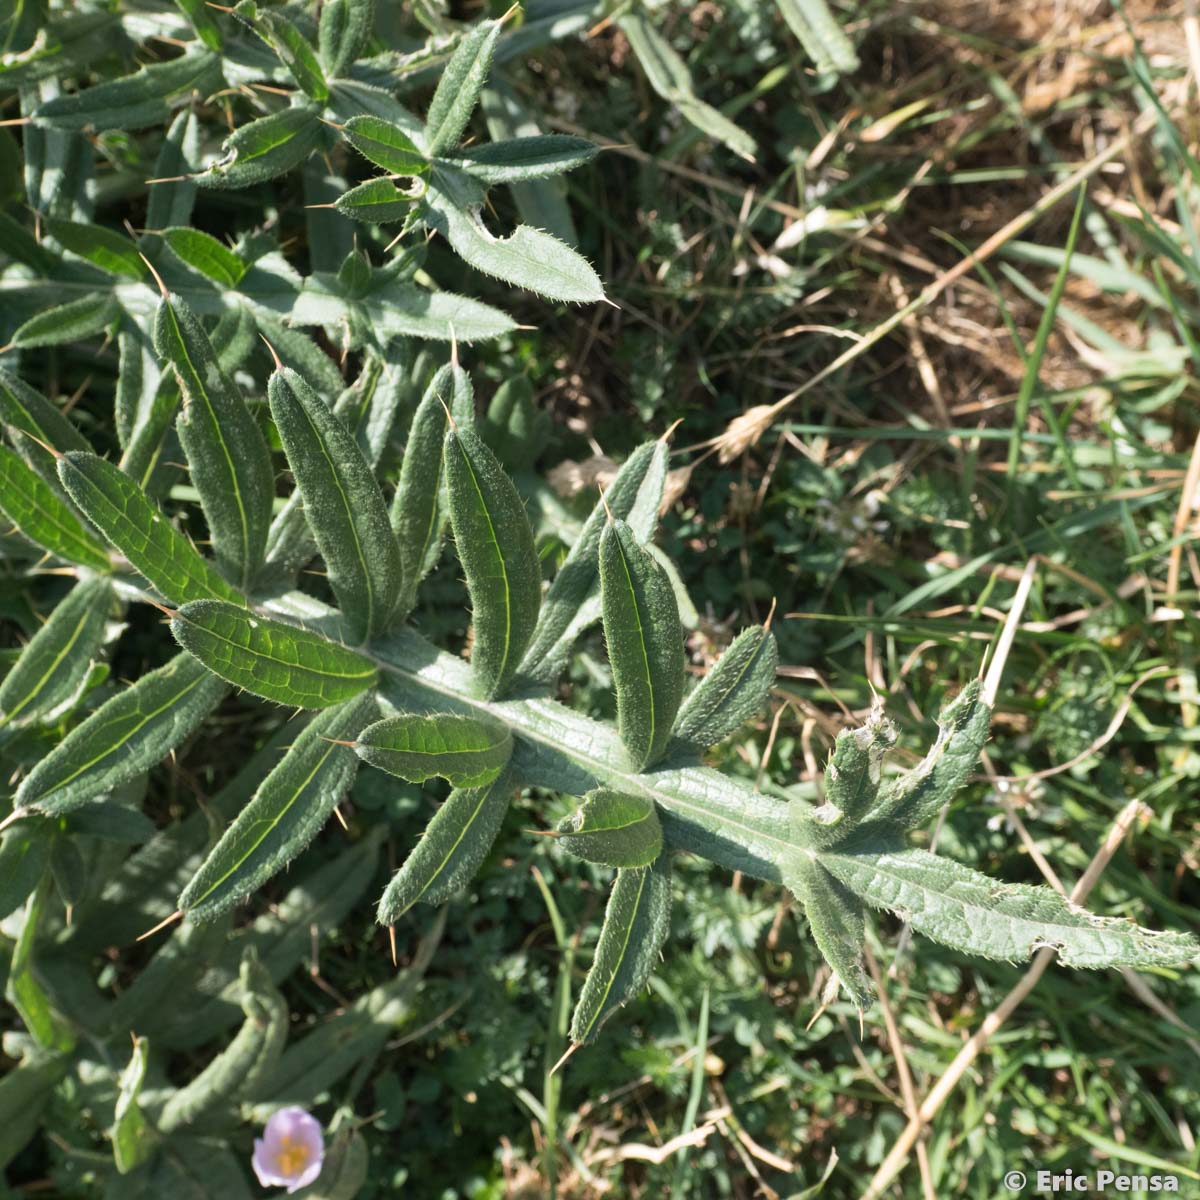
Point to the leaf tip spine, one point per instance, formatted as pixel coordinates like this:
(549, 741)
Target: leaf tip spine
(175, 916)
(274, 355)
(770, 615)
(565, 1055)
(162, 287)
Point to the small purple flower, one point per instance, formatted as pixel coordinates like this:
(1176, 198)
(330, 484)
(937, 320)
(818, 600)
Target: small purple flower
(291, 1150)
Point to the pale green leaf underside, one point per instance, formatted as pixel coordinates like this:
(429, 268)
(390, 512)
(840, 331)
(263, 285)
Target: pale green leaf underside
(961, 908)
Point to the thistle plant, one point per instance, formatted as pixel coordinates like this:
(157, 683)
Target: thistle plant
(306, 600)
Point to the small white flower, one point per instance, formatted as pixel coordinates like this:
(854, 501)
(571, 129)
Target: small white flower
(290, 1152)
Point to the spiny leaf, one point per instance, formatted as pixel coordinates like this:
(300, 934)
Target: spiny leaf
(968, 911)
(851, 782)
(265, 148)
(201, 250)
(836, 920)
(733, 691)
(919, 795)
(133, 1139)
(635, 926)
(645, 643)
(522, 158)
(70, 322)
(105, 248)
(29, 412)
(395, 308)
(228, 457)
(499, 559)
(293, 50)
(342, 503)
(170, 202)
(132, 102)
(35, 508)
(287, 811)
(386, 145)
(573, 601)
(136, 526)
(459, 87)
(614, 829)
(125, 736)
(344, 32)
(24, 858)
(269, 658)
(48, 676)
(452, 848)
(378, 201)
(419, 508)
(465, 751)
(527, 257)
(201, 19)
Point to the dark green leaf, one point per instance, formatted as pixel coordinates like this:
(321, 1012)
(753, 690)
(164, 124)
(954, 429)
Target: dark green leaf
(419, 510)
(465, 751)
(344, 32)
(133, 1139)
(288, 810)
(35, 508)
(342, 503)
(378, 201)
(228, 457)
(495, 547)
(136, 527)
(573, 601)
(614, 829)
(645, 643)
(452, 848)
(125, 736)
(53, 667)
(386, 145)
(23, 409)
(201, 250)
(265, 148)
(105, 248)
(524, 158)
(70, 322)
(459, 87)
(134, 101)
(269, 658)
(636, 922)
(733, 691)
(294, 52)
(24, 857)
